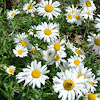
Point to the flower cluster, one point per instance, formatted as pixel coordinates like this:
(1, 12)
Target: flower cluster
(74, 80)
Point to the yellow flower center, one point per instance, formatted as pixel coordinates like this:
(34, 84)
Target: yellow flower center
(91, 96)
(35, 73)
(88, 12)
(47, 32)
(79, 75)
(69, 16)
(91, 83)
(57, 57)
(77, 17)
(20, 40)
(24, 43)
(34, 51)
(13, 14)
(97, 42)
(76, 62)
(29, 6)
(48, 8)
(20, 52)
(57, 46)
(73, 11)
(68, 84)
(88, 3)
(78, 52)
(11, 70)
(98, 95)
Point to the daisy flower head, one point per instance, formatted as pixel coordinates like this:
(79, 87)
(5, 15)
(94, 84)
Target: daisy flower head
(83, 71)
(90, 96)
(11, 14)
(91, 84)
(70, 17)
(20, 37)
(95, 42)
(97, 96)
(47, 32)
(34, 74)
(68, 85)
(47, 55)
(29, 7)
(49, 9)
(20, 51)
(97, 21)
(87, 74)
(79, 52)
(87, 4)
(72, 9)
(88, 14)
(75, 61)
(10, 69)
(79, 18)
(33, 50)
(57, 59)
(56, 45)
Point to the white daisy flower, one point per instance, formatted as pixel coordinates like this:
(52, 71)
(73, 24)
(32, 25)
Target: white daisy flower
(79, 52)
(47, 32)
(49, 9)
(20, 37)
(97, 96)
(72, 10)
(88, 14)
(87, 74)
(57, 59)
(56, 45)
(34, 74)
(11, 14)
(75, 61)
(24, 43)
(47, 55)
(10, 70)
(95, 42)
(97, 21)
(33, 50)
(90, 96)
(79, 18)
(98, 74)
(87, 4)
(70, 17)
(20, 51)
(91, 84)
(29, 7)
(69, 45)
(83, 71)
(68, 85)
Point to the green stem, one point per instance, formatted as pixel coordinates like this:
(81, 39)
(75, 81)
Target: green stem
(4, 92)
